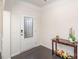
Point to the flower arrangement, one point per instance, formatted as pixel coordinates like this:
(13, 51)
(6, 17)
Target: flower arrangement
(63, 54)
(72, 37)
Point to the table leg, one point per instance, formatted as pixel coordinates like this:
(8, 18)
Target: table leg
(52, 48)
(56, 47)
(75, 52)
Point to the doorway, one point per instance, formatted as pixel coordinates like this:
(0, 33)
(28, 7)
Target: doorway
(23, 35)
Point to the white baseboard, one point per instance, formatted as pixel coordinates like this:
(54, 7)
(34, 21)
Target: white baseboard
(9, 58)
(15, 54)
(46, 46)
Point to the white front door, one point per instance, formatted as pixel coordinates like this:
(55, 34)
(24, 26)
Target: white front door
(20, 44)
(27, 33)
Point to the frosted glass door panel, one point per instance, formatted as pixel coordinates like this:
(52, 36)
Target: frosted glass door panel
(28, 27)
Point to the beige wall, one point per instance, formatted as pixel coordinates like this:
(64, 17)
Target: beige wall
(1, 21)
(57, 18)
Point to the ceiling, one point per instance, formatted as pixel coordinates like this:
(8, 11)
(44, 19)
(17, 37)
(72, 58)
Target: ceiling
(39, 3)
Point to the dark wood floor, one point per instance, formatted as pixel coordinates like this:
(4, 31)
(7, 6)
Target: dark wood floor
(39, 52)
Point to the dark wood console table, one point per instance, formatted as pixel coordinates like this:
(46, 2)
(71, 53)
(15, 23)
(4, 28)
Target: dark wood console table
(64, 42)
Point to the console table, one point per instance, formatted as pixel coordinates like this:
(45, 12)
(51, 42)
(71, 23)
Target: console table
(64, 42)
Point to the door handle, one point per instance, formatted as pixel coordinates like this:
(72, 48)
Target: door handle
(21, 32)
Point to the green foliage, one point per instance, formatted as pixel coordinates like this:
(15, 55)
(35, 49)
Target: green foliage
(72, 37)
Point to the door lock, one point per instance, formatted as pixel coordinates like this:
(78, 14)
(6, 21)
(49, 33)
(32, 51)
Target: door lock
(21, 31)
